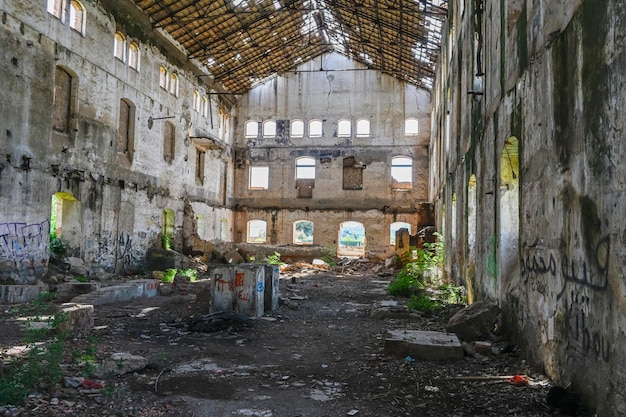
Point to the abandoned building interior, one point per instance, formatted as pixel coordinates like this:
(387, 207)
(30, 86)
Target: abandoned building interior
(130, 124)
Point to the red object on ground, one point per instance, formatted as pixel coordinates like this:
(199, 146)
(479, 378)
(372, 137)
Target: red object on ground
(519, 380)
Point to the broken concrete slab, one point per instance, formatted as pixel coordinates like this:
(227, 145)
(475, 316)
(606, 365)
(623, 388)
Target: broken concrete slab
(121, 363)
(426, 345)
(118, 293)
(474, 322)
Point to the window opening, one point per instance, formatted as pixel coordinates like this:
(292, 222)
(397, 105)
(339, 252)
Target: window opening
(196, 100)
(297, 129)
(163, 77)
(126, 128)
(62, 101)
(315, 129)
(169, 141)
(269, 128)
(200, 226)
(351, 239)
(394, 227)
(65, 218)
(362, 128)
(411, 127)
(252, 129)
(204, 107)
(77, 16)
(401, 173)
(56, 8)
(173, 87)
(257, 230)
(305, 176)
(259, 178)
(119, 46)
(167, 233)
(344, 128)
(200, 158)
(352, 174)
(303, 232)
(224, 230)
(133, 56)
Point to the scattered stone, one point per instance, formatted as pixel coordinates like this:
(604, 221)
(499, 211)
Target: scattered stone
(483, 347)
(389, 309)
(77, 266)
(475, 322)
(320, 264)
(233, 257)
(121, 363)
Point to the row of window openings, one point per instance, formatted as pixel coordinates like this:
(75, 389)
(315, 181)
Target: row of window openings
(344, 128)
(401, 173)
(127, 52)
(71, 12)
(303, 232)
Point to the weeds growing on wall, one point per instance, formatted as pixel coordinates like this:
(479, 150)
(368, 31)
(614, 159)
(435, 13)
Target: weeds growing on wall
(57, 246)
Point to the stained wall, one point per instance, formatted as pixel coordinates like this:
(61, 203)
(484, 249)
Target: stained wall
(527, 101)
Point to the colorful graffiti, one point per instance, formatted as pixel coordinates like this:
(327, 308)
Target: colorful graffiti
(25, 246)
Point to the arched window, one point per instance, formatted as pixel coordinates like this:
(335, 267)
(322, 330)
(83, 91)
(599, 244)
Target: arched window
(411, 127)
(362, 128)
(305, 168)
(351, 240)
(252, 129)
(259, 178)
(401, 173)
(196, 100)
(133, 56)
(257, 231)
(269, 129)
(204, 106)
(173, 87)
(315, 129)
(394, 227)
(119, 46)
(163, 77)
(303, 232)
(77, 16)
(297, 129)
(344, 128)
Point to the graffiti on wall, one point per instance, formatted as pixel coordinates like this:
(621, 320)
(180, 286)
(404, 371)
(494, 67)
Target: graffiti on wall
(121, 251)
(577, 277)
(25, 245)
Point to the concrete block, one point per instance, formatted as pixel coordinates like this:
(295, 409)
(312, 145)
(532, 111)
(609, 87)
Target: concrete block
(272, 279)
(79, 318)
(239, 288)
(250, 290)
(389, 309)
(130, 290)
(19, 294)
(425, 345)
(222, 288)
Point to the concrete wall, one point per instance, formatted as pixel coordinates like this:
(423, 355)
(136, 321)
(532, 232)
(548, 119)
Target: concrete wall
(343, 90)
(545, 143)
(119, 197)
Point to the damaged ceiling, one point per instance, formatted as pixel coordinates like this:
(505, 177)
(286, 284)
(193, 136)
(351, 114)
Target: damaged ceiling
(244, 43)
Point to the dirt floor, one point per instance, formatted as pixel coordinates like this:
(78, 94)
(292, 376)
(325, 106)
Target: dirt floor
(320, 354)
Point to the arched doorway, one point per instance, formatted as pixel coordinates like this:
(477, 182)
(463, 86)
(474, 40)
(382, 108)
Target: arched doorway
(351, 239)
